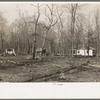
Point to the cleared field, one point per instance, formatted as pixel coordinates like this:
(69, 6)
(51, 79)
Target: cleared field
(50, 69)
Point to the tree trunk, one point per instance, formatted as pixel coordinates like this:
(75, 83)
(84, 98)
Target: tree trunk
(18, 47)
(28, 46)
(97, 45)
(43, 45)
(88, 44)
(72, 46)
(1, 42)
(73, 22)
(34, 49)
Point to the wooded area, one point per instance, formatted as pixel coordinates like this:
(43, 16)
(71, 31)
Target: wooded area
(50, 42)
(59, 28)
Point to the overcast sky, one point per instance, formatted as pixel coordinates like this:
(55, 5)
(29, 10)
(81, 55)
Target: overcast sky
(10, 10)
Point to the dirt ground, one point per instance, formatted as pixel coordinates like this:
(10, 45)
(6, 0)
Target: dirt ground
(50, 69)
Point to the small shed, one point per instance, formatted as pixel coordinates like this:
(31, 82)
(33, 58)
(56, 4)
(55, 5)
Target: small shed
(41, 51)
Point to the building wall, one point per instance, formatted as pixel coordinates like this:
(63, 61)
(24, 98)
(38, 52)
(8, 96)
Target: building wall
(84, 52)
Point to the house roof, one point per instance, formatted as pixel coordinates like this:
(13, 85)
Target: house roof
(91, 48)
(39, 49)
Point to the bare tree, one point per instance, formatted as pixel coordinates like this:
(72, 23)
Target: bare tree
(52, 20)
(73, 11)
(97, 15)
(61, 30)
(3, 27)
(89, 31)
(26, 28)
(78, 33)
(36, 24)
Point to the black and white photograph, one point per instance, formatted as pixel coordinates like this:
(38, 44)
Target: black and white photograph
(49, 42)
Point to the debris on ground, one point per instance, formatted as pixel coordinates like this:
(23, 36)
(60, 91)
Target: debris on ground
(62, 76)
(15, 78)
(60, 69)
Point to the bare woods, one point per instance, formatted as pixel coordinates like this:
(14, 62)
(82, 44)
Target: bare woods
(59, 28)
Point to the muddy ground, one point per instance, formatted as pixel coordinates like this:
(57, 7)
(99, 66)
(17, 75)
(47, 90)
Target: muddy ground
(50, 69)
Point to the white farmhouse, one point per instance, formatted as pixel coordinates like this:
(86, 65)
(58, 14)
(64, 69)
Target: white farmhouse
(84, 52)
